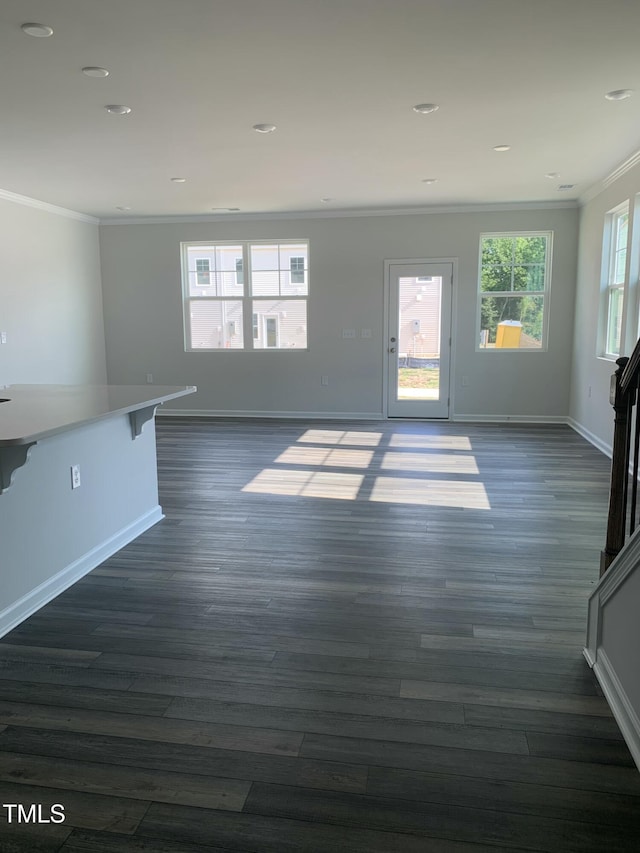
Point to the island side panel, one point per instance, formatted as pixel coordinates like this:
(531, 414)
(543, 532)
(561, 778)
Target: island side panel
(51, 534)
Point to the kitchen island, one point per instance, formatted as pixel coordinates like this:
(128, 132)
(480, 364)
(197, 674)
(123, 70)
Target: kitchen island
(78, 481)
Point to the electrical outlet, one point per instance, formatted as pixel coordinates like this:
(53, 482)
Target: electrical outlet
(3, 337)
(149, 378)
(348, 333)
(75, 476)
(465, 381)
(324, 380)
(365, 333)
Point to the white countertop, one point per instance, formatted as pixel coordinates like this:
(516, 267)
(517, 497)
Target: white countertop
(39, 411)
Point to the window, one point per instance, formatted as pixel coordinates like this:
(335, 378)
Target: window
(245, 296)
(514, 290)
(615, 268)
(297, 270)
(203, 272)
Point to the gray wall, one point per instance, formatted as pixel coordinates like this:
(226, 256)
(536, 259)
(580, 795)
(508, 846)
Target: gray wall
(143, 315)
(69, 532)
(50, 298)
(591, 374)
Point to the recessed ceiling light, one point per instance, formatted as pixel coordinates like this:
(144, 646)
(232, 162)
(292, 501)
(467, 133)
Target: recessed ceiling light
(179, 180)
(40, 31)
(121, 207)
(118, 109)
(264, 128)
(619, 94)
(552, 175)
(429, 181)
(501, 147)
(94, 71)
(424, 109)
(326, 200)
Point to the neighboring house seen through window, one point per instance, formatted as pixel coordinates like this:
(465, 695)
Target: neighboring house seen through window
(202, 272)
(297, 269)
(513, 290)
(245, 296)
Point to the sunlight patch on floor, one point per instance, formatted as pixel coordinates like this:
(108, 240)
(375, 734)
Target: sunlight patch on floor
(326, 456)
(443, 442)
(449, 463)
(309, 484)
(401, 490)
(333, 436)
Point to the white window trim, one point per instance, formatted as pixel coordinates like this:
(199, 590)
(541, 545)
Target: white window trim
(610, 287)
(247, 299)
(545, 293)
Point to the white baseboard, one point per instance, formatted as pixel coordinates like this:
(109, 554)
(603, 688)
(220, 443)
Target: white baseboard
(605, 448)
(248, 413)
(24, 607)
(515, 419)
(352, 416)
(619, 703)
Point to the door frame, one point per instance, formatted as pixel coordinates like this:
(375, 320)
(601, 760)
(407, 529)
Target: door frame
(387, 325)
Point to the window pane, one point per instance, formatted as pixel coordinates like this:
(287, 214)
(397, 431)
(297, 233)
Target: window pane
(212, 271)
(497, 250)
(216, 324)
(280, 324)
(620, 266)
(265, 276)
(203, 272)
(620, 232)
(279, 269)
(226, 267)
(495, 278)
(511, 322)
(622, 227)
(294, 263)
(614, 320)
(265, 282)
(528, 278)
(530, 250)
(289, 251)
(202, 277)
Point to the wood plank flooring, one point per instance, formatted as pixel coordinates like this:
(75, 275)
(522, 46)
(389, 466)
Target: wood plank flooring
(357, 637)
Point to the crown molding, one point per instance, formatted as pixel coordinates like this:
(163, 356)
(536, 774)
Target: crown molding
(344, 214)
(595, 189)
(47, 208)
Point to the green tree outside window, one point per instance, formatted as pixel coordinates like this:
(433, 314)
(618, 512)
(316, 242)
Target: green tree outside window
(513, 286)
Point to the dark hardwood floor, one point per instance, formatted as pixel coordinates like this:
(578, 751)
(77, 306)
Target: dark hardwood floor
(356, 637)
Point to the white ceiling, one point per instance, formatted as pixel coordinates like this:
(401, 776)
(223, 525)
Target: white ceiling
(338, 78)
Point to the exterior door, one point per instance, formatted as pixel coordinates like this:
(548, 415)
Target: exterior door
(419, 342)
